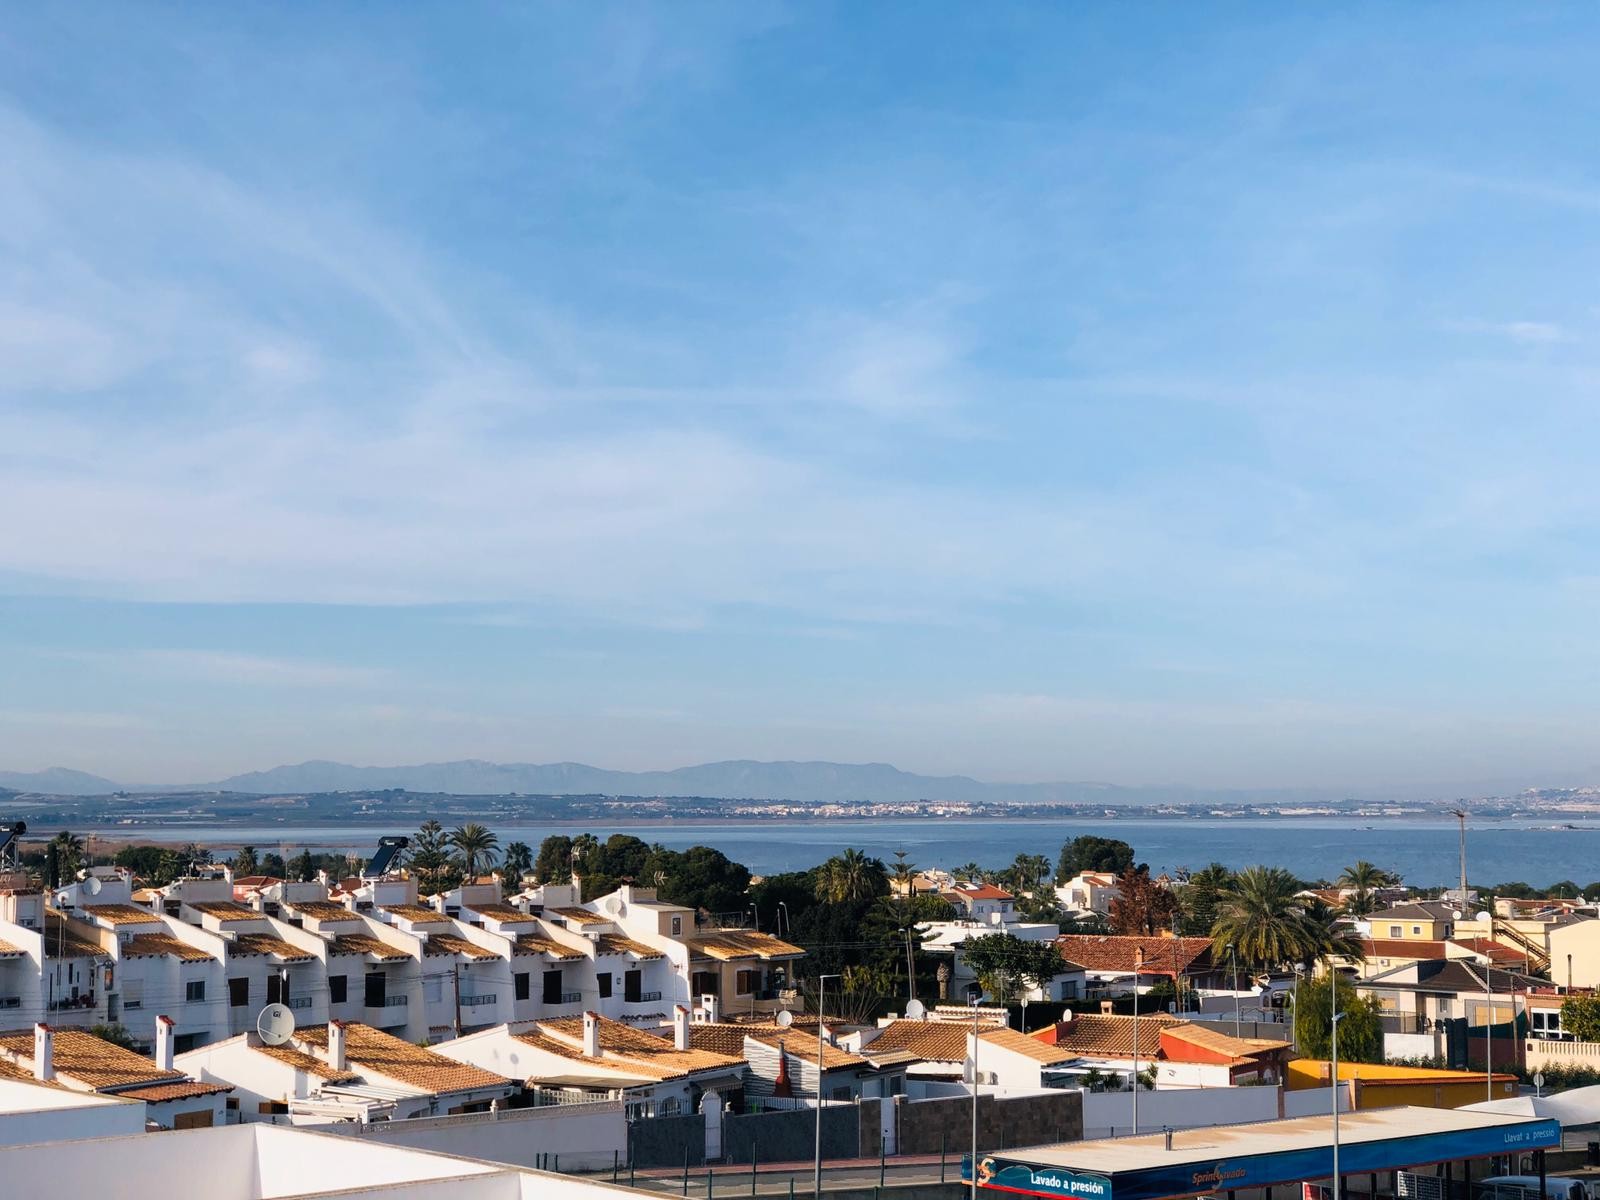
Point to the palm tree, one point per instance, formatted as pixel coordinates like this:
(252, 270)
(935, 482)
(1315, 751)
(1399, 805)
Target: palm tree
(849, 878)
(476, 845)
(1363, 879)
(518, 860)
(69, 854)
(1029, 870)
(1262, 919)
(1327, 935)
(971, 872)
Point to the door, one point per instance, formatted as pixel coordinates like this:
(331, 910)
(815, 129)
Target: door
(632, 986)
(376, 990)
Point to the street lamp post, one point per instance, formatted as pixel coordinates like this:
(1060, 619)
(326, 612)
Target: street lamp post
(975, 1001)
(1333, 1051)
(1138, 962)
(1488, 1017)
(816, 1171)
(1234, 954)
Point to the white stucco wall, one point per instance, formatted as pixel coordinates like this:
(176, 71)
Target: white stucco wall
(31, 1113)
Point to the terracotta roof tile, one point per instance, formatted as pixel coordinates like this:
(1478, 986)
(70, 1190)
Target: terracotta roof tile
(365, 943)
(730, 944)
(932, 1041)
(533, 943)
(616, 943)
(453, 943)
(1399, 948)
(62, 941)
(504, 913)
(1219, 1041)
(417, 914)
(163, 945)
(1021, 1043)
(1105, 1035)
(580, 916)
(322, 910)
(224, 910)
(269, 944)
(629, 1050)
(1162, 955)
(727, 1037)
(378, 1053)
(156, 1093)
(92, 1061)
(7, 950)
(121, 914)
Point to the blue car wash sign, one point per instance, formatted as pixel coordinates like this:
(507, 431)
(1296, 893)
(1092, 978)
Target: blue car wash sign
(1008, 1175)
(1192, 1177)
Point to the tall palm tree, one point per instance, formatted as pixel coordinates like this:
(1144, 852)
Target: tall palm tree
(518, 860)
(69, 853)
(1363, 879)
(1262, 919)
(1327, 935)
(1029, 870)
(848, 878)
(476, 845)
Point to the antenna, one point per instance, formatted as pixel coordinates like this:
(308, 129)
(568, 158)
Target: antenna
(916, 1009)
(92, 885)
(275, 1024)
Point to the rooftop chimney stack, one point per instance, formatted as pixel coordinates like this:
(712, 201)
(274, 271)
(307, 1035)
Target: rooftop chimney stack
(338, 1057)
(680, 1027)
(164, 1036)
(712, 1007)
(44, 1053)
(591, 1035)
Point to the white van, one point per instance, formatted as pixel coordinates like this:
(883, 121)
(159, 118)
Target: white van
(1526, 1187)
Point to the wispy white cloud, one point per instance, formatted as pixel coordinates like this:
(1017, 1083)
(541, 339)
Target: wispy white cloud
(246, 670)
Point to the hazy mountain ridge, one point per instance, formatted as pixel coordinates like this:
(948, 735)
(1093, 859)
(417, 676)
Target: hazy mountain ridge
(803, 782)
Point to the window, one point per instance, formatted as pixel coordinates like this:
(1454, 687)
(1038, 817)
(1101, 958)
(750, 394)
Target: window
(677, 926)
(433, 990)
(275, 989)
(632, 986)
(1415, 930)
(133, 993)
(669, 1107)
(238, 993)
(375, 992)
(745, 982)
(338, 989)
(194, 991)
(605, 985)
(1395, 931)
(520, 979)
(705, 983)
(552, 987)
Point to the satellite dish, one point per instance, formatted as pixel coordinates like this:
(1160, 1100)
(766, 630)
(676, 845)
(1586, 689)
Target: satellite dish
(916, 1009)
(275, 1024)
(1483, 916)
(785, 1019)
(92, 885)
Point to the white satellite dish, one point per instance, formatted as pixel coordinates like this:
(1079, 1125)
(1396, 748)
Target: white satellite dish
(275, 1024)
(916, 1009)
(1483, 916)
(785, 1019)
(92, 885)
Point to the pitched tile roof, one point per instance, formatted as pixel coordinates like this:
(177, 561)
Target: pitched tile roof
(365, 943)
(1414, 911)
(322, 910)
(92, 1061)
(797, 1044)
(1021, 1043)
(309, 1063)
(269, 944)
(629, 1050)
(158, 1092)
(62, 941)
(121, 914)
(416, 913)
(7, 950)
(224, 910)
(533, 943)
(616, 943)
(499, 912)
(1497, 952)
(931, 1041)
(1400, 948)
(380, 1053)
(580, 916)
(982, 891)
(727, 945)
(1455, 975)
(1162, 955)
(727, 1037)
(453, 943)
(1219, 1041)
(1106, 1035)
(163, 945)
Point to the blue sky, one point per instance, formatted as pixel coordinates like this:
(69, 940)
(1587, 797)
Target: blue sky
(1032, 391)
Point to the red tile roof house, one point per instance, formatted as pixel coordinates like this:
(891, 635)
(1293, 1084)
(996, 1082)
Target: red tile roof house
(1111, 962)
(1184, 1053)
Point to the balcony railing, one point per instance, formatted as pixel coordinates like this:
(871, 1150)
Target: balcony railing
(298, 1002)
(642, 998)
(566, 998)
(482, 998)
(390, 1002)
(78, 1004)
(10, 1001)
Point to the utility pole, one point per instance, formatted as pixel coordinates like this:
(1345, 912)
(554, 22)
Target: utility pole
(1460, 814)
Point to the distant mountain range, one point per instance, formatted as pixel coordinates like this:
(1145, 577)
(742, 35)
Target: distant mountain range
(805, 782)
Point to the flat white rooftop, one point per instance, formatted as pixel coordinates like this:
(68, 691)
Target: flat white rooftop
(1205, 1146)
(19, 1096)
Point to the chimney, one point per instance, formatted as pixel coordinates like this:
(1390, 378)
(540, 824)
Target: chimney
(680, 1027)
(164, 1036)
(337, 1057)
(712, 1007)
(44, 1053)
(591, 1035)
